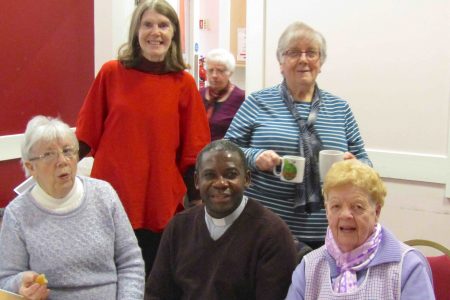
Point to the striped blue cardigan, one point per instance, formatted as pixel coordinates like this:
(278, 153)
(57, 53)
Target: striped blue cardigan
(263, 122)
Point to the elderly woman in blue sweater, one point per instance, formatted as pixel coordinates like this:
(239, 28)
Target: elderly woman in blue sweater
(72, 229)
(298, 118)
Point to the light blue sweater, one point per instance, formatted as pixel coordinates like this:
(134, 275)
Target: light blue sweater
(88, 253)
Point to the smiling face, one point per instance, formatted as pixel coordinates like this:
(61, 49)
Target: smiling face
(56, 177)
(155, 35)
(221, 179)
(301, 72)
(351, 216)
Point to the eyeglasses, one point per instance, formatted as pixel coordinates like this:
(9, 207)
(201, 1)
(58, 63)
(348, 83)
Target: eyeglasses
(52, 156)
(218, 71)
(311, 55)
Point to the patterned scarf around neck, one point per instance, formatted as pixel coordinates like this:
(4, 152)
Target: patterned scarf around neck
(308, 197)
(349, 263)
(213, 97)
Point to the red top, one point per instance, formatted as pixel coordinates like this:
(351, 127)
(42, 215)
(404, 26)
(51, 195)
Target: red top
(144, 131)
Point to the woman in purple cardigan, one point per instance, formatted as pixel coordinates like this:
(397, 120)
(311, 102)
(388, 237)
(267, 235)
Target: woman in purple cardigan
(222, 99)
(361, 259)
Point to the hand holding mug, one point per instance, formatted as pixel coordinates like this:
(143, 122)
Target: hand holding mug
(349, 155)
(267, 160)
(292, 169)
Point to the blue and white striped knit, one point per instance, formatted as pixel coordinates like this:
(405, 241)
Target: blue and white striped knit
(263, 122)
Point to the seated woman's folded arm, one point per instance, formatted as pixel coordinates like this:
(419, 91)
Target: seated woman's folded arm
(416, 277)
(13, 248)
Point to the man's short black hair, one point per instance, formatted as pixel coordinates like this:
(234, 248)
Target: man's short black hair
(222, 145)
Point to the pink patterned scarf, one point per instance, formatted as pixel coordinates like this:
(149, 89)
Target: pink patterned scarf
(349, 263)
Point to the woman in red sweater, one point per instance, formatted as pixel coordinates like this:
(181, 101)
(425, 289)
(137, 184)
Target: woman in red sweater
(144, 122)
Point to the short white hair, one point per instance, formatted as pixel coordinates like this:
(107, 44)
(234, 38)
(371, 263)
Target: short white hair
(46, 129)
(298, 31)
(221, 56)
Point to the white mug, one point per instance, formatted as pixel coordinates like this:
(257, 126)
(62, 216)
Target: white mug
(292, 169)
(326, 159)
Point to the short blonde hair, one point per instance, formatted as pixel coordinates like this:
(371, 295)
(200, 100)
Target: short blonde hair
(357, 174)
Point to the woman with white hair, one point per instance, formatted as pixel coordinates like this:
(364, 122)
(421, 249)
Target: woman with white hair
(222, 99)
(295, 117)
(71, 228)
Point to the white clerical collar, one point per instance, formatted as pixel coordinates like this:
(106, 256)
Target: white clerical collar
(217, 227)
(60, 205)
(228, 220)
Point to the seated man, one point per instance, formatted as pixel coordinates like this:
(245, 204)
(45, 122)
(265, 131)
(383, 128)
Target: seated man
(229, 248)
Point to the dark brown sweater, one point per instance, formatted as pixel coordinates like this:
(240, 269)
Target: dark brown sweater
(253, 259)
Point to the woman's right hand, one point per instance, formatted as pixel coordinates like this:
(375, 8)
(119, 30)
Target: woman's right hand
(31, 290)
(267, 160)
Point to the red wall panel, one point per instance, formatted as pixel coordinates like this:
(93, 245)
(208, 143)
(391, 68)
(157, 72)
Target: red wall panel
(46, 67)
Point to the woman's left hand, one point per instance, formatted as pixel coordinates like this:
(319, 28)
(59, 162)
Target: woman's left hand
(348, 155)
(31, 290)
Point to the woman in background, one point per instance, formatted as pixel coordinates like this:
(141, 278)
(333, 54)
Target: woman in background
(361, 259)
(71, 228)
(298, 118)
(144, 122)
(222, 99)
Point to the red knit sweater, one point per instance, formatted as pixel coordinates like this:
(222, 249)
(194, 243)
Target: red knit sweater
(144, 131)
